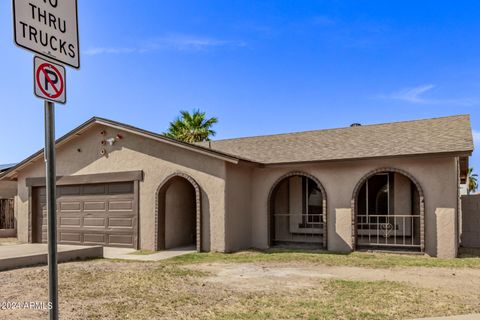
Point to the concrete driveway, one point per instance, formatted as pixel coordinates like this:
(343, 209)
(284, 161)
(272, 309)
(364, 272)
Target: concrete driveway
(24, 255)
(14, 255)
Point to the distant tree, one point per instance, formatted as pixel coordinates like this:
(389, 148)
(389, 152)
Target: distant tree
(192, 127)
(472, 181)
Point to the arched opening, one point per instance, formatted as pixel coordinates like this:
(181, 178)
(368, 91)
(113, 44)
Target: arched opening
(178, 213)
(388, 211)
(297, 208)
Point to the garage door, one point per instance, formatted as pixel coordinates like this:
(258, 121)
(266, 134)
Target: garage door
(90, 214)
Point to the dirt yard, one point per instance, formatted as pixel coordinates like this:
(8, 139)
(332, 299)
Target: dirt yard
(261, 286)
(277, 277)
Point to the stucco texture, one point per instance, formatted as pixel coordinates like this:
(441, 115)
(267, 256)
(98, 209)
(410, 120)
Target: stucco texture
(8, 189)
(234, 197)
(436, 176)
(82, 155)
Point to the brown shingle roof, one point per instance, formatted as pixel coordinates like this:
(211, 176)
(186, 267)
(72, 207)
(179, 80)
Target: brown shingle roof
(439, 135)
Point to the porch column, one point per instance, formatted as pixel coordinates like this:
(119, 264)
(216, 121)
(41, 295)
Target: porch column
(341, 239)
(446, 233)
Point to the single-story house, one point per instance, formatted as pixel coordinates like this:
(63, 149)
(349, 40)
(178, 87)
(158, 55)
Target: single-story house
(392, 186)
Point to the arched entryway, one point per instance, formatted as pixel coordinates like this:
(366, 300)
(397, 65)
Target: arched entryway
(388, 211)
(178, 216)
(297, 206)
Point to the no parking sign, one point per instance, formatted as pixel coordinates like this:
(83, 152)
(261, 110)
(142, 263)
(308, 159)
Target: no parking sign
(49, 28)
(49, 80)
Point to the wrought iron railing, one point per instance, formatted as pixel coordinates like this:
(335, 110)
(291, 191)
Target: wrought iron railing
(306, 228)
(389, 230)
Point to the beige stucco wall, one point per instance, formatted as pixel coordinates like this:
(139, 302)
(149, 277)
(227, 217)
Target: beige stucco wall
(157, 160)
(234, 196)
(238, 217)
(447, 245)
(437, 176)
(402, 195)
(341, 240)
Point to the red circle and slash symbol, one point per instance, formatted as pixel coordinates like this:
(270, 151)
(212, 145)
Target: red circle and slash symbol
(57, 86)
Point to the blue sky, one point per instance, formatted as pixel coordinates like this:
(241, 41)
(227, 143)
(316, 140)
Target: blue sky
(261, 67)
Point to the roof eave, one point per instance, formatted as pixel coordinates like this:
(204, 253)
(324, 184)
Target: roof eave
(161, 138)
(101, 121)
(464, 153)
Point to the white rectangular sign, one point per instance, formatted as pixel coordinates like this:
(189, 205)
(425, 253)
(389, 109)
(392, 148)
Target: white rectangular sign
(49, 28)
(49, 80)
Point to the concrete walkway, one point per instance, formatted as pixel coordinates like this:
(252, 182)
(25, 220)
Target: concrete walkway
(25, 255)
(464, 317)
(126, 254)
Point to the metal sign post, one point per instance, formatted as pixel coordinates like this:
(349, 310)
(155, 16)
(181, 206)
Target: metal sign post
(49, 28)
(51, 208)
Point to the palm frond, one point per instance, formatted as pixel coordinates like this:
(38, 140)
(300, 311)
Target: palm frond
(192, 127)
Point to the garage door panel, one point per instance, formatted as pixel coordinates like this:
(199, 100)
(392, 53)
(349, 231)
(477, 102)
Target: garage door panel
(92, 214)
(70, 222)
(72, 237)
(94, 238)
(94, 206)
(120, 205)
(120, 239)
(94, 222)
(120, 222)
(64, 206)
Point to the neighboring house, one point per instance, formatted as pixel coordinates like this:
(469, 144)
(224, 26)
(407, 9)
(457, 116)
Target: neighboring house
(5, 167)
(387, 186)
(8, 190)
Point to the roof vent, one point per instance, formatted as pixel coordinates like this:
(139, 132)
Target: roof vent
(356, 124)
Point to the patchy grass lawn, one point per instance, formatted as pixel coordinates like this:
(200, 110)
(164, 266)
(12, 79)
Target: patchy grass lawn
(183, 288)
(467, 259)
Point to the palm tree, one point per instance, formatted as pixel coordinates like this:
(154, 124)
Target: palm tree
(191, 127)
(472, 181)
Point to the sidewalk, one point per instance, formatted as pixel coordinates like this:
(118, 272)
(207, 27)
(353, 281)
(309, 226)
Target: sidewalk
(126, 254)
(463, 317)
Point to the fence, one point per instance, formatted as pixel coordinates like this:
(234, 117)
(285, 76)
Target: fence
(471, 221)
(7, 215)
(303, 228)
(388, 230)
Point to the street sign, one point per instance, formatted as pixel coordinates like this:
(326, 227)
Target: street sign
(49, 80)
(49, 28)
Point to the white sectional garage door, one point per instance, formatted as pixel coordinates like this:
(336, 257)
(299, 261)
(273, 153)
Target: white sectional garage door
(90, 214)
